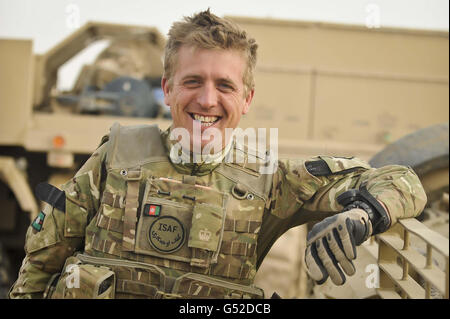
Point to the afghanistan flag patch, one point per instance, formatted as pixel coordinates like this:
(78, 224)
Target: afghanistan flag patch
(152, 210)
(38, 222)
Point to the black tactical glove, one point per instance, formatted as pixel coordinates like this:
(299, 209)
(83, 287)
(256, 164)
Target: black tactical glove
(332, 245)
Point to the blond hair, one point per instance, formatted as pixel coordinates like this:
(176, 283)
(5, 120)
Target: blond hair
(207, 31)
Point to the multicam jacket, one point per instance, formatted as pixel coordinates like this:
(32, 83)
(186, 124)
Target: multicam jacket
(149, 228)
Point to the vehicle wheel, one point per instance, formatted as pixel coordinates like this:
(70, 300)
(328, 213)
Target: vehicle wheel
(426, 151)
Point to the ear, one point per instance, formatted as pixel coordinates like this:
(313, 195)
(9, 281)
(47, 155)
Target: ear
(248, 101)
(166, 89)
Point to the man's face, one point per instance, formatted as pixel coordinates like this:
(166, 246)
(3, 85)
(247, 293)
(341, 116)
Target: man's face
(207, 87)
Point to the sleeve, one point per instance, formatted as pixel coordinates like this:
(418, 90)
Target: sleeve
(314, 185)
(55, 234)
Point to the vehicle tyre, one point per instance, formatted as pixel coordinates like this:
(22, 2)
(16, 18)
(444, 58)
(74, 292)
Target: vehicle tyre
(426, 151)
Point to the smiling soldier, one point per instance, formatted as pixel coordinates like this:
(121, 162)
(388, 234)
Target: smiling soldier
(137, 223)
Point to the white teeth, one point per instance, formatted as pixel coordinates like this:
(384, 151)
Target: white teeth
(205, 119)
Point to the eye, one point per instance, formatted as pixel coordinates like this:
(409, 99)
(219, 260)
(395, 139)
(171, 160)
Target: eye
(191, 83)
(225, 87)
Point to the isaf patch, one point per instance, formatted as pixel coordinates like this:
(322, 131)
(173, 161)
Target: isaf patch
(152, 210)
(38, 222)
(166, 234)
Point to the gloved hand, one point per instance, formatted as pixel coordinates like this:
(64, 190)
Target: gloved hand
(332, 245)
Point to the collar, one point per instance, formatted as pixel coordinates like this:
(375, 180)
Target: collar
(203, 166)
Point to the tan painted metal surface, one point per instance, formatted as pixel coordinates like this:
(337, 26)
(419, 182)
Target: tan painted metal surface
(345, 83)
(16, 181)
(397, 256)
(82, 133)
(16, 76)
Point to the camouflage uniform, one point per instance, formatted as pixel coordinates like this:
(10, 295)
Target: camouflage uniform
(161, 230)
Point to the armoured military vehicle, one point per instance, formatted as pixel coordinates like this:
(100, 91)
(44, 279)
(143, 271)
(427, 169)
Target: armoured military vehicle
(334, 93)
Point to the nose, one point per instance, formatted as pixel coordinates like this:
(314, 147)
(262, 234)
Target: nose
(207, 96)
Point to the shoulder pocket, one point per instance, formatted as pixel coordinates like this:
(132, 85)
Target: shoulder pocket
(46, 236)
(76, 216)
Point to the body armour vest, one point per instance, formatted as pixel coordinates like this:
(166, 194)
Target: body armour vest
(163, 234)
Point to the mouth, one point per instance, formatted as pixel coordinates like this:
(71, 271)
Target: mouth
(206, 121)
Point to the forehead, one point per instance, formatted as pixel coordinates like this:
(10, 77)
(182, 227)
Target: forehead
(196, 61)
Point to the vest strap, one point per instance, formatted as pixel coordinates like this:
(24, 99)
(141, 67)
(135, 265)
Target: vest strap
(108, 223)
(131, 206)
(113, 200)
(242, 226)
(238, 249)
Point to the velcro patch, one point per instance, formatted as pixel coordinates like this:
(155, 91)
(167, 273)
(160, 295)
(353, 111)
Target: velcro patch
(318, 168)
(51, 195)
(38, 222)
(152, 210)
